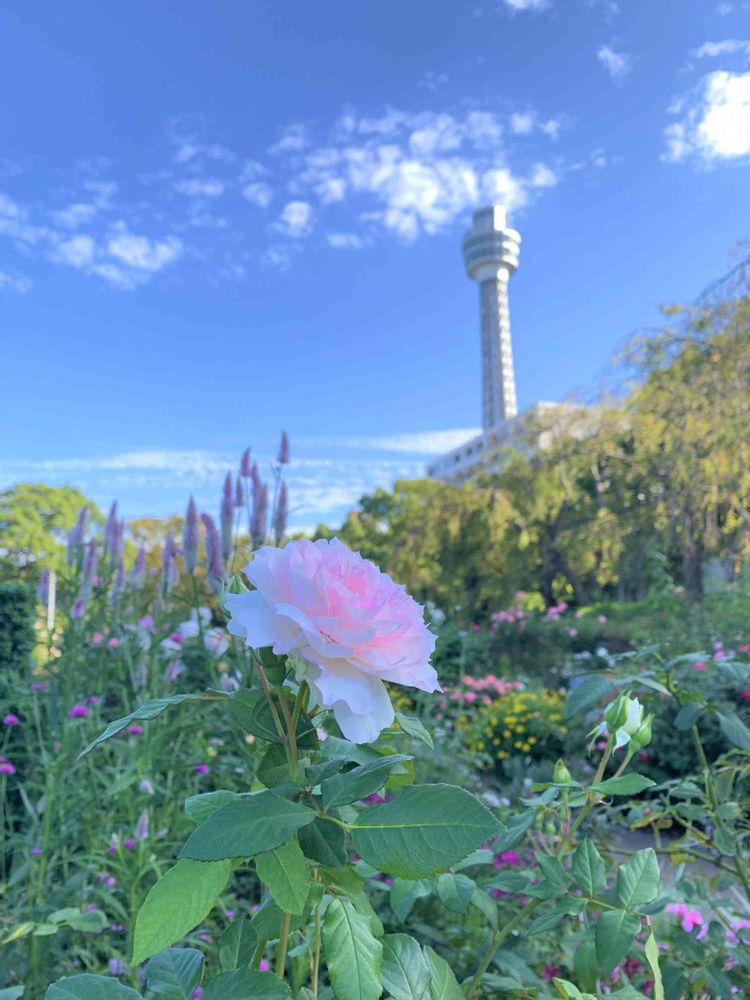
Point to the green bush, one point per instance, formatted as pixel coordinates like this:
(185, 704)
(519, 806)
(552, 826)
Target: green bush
(16, 625)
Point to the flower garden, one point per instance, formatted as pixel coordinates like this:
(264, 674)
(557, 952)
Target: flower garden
(292, 780)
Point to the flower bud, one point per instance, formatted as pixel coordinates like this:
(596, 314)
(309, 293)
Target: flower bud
(274, 666)
(561, 774)
(616, 713)
(634, 716)
(642, 736)
(235, 584)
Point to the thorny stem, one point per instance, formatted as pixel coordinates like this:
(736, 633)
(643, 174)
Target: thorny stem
(269, 698)
(501, 935)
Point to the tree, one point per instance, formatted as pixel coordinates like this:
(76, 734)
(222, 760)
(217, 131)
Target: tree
(34, 520)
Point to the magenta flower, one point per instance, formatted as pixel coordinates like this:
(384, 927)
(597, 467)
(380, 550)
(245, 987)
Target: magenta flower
(11, 720)
(135, 730)
(97, 638)
(36, 851)
(37, 687)
(113, 643)
(6, 767)
(700, 665)
(745, 694)
(197, 993)
(743, 647)
(201, 768)
(264, 966)
(78, 712)
(93, 699)
(147, 623)
(214, 564)
(129, 844)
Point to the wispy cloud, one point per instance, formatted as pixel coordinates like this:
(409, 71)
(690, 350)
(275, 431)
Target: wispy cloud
(617, 64)
(713, 123)
(12, 281)
(528, 4)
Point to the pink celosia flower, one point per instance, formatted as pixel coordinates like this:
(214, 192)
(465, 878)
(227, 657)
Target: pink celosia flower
(348, 626)
(78, 712)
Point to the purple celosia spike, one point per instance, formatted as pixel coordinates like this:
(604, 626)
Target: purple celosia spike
(239, 494)
(42, 589)
(245, 464)
(138, 569)
(170, 570)
(110, 530)
(77, 534)
(214, 565)
(118, 540)
(227, 517)
(90, 559)
(281, 514)
(284, 449)
(190, 537)
(78, 609)
(141, 826)
(259, 517)
(118, 584)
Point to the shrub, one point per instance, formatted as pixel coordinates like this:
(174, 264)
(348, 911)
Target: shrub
(16, 625)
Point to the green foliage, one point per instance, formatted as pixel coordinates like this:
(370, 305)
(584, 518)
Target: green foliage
(174, 974)
(284, 871)
(353, 954)
(16, 625)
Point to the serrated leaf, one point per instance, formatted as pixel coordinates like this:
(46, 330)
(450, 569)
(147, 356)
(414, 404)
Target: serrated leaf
(273, 768)
(626, 784)
(587, 693)
(247, 827)
(147, 711)
(404, 894)
(454, 891)
(249, 709)
(414, 727)
(614, 935)
(552, 869)
(735, 730)
(688, 715)
(176, 904)
(515, 830)
(547, 921)
(588, 868)
(444, 985)
(200, 807)
(334, 746)
(509, 881)
(323, 842)
(639, 879)
(175, 973)
(486, 906)
(237, 945)
(89, 987)
(245, 984)
(284, 870)
(652, 957)
(363, 780)
(353, 954)
(405, 974)
(422, 830)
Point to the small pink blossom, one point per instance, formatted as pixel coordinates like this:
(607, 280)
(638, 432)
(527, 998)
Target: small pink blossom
(129, 844)
(572, 632)
(745, 694)
(264, 965)
(113, 643)
(135, 730)
(700, 665)
(201, 768)
(11, 720)
(147, 623)
(602, 619)
(743, 647)
(6, 767)
(37, 687)
(78, 712)
(93, 700)
(97, 638)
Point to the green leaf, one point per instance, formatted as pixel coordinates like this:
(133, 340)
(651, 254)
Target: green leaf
(200, 807)
(587, 693)
(274, 766)
(176, 904)
(404, 894)
(349, 882)
(247, 827)
(652, 957)
(639, 879)
(688, 715)
(11, 993)
(175, 973)
(405, 974)
(585, 965)
(515, 830)
(571, 992)
(353, 954)
(413, 727)
(88, 987)
(508, 881)
(626, 784)
(323, 842)
(362, 780)
(614, 936)
(588, 868)
(552, 869)
(569, 907)
(334, 746)
(284, 870)
(444, 985)
(735, 730)
(250, 710)
(147, 711)
(454, 891)
(89, 922)
(486, 906)
(244, 984)
(237, 944)
(422, 830)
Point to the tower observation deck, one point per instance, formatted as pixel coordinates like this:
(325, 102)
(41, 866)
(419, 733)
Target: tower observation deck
(490, 251)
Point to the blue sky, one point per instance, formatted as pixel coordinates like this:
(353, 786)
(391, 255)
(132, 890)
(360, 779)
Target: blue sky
(218, 220)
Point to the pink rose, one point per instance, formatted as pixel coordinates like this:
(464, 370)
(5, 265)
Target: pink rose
(348, 626)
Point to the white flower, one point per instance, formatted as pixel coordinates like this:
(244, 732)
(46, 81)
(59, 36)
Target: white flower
(215, 641)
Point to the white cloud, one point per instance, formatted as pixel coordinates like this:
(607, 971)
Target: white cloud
(14, 282)
(141, 253)
(344, 241)
(295, 219)
(716, 124)
(527, 4)
(419, 443)
(543, 176)
(200, 187)
(522, 123)
(259, 193)
(730, 46)
(76, 252)
(433, 80)
(293, 139)
(75, 215)
(617, 64)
